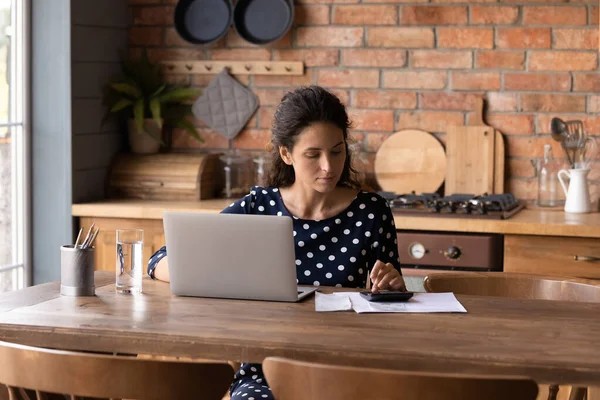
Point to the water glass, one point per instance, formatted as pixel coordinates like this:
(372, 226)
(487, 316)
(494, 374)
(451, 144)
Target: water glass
(130, 249)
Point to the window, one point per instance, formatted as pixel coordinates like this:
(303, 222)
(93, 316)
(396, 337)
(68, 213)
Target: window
(14, 161)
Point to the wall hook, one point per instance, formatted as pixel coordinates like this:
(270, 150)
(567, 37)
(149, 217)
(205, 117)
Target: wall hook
(288, 69)
(189, 67)
(248, 67)
(207, 67)
(267, 67)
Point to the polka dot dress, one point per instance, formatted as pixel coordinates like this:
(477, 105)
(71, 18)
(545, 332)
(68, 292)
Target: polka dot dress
(337, 251)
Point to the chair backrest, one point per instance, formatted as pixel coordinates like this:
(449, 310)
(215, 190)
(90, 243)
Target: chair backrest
(296, 380)
(514, 285)
(105, 376)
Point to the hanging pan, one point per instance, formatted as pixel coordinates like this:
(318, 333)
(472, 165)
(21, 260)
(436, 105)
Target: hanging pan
(203, 21)
(263, 21)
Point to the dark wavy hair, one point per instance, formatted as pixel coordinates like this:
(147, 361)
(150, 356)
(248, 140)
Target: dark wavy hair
(298, 109)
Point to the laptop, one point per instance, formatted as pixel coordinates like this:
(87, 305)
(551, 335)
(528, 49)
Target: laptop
(233, 256)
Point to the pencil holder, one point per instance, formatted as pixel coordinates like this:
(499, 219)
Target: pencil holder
(77, 271)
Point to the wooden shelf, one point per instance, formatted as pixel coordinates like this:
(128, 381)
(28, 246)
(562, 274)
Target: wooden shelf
(235, 67)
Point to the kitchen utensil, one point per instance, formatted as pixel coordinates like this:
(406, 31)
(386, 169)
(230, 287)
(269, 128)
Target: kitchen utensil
(559, 131)
(263, 21)
(410, 160)
(475, 156)
(578, 195)
(203, 21)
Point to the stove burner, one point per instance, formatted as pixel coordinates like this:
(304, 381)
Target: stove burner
(496, 205)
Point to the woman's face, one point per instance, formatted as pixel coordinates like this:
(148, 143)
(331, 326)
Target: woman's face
(318, 156)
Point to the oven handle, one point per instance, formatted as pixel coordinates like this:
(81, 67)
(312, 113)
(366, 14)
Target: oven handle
(586, 258)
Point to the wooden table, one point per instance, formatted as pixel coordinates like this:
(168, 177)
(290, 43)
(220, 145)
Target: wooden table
(549, 341)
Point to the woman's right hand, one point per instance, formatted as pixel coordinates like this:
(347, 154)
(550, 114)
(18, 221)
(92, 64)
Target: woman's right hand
(161, 272)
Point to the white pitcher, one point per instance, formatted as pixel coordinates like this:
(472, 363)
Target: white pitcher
(578, 194)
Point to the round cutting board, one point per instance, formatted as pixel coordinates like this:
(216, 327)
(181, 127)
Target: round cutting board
(409, 160)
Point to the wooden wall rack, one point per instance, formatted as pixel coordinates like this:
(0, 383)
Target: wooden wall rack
(236, 67)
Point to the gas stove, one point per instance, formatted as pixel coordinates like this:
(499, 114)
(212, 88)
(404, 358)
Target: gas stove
(494, 206)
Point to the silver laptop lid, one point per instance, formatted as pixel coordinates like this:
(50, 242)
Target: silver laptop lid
(231, 256)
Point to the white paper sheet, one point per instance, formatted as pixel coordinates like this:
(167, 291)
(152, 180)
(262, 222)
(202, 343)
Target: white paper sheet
(419, 303)
(332, 302)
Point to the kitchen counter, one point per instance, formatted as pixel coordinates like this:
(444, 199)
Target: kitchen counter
(526, 222)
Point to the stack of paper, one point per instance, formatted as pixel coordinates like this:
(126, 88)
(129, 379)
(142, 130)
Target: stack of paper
(419, 303)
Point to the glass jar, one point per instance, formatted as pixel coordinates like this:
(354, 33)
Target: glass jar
(237, 174)
(549, 193)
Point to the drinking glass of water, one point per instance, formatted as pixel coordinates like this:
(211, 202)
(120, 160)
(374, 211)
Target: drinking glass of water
(130, 247)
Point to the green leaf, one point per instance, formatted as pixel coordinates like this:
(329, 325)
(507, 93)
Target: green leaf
(159, 91)
(155, 110)
(138, 114)
(121, 104)
(179, 94)
(127, 88)
(189, 128)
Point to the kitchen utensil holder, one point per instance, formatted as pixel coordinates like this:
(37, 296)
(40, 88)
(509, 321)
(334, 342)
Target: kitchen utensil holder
(77, 271)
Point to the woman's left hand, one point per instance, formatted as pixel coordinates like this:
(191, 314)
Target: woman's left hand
(386, 277)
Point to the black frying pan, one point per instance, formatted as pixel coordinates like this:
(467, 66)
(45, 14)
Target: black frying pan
(263, 21)
(203, 21)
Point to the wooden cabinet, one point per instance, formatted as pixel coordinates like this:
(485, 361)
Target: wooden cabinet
(552, 255)
(105, 252)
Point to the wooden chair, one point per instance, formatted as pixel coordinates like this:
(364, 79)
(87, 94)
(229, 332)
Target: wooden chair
(296, 380)
(519, 286)
(25, 369)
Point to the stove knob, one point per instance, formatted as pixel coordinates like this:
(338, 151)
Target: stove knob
(452, 252)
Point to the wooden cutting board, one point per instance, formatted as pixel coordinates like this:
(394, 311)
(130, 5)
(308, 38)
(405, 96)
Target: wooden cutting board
(410, 160)
(475, 158)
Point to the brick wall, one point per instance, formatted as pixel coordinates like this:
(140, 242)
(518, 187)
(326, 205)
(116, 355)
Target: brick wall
(417, 64)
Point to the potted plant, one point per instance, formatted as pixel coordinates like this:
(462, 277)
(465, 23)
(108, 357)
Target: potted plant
(149, 104)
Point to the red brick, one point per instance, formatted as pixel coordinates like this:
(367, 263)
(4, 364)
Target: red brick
(349, 78)
(145, 36)
(563, 61)
(500, 59)
(441, 59)
(326, 1)
(554, 15)
(594, 16)
(395, 1)
(448, 101)
(212, 140)
(552, 103)
(284, 81)
(520, 168)
(586, 82)
(414, 79)
(365, 15)
(475, 80)
(578, 39)
(511, 124)
(465, 38)
(525, 190)
(471, 1)
(496, 15)
(528, 146)
(311, 58)
(384, 99)
(175, 54)
(233, 39)
(374, 140)
(256, 139)
(265, 117)
(538, 82)
(329, 36)
(438, 15)
(138, 2)
(153, 15)
(269, 97)
(343, 95)
(372, 120)
(311, 15)
(373, 58)
(502, 102)
(172, 38)
(178, 79)
(524, 38)
(594, 104)
(430, 121)
(240, 54)
(400, 37)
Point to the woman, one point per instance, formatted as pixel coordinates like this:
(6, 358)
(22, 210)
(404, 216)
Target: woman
(341, 233)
